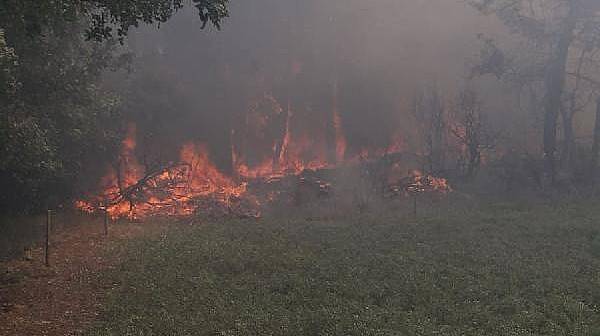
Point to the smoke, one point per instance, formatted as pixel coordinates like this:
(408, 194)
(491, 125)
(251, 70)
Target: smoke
(367, 58)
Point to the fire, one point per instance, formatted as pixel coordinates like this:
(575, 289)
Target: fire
(122, 177)
(203, 176)
(298, 149)
(396, 145)
(287, 136)
(420, 183)
(194, 182)
(340, 138)
(85, 206)
(134, 194)
(264, 169)
(303, 153)
(293, 153)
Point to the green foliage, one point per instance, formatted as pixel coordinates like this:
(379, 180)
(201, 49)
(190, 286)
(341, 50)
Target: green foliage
(57, 118)
(8, 63)
(130, 13)
(55, 114)
(107, 18)
(493, 271)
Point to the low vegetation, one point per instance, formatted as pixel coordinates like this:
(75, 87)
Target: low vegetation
(494, 270)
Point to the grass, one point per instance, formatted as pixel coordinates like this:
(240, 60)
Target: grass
(495, 270)
(21, 232)
(18, 233)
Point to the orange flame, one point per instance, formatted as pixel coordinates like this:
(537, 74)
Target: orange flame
(340, 139)
(427, 183)
(128, 190)
(170, 192)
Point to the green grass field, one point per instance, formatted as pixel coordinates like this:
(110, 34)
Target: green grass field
(495, 270)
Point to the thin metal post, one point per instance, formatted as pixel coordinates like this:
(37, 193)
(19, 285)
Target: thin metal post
(47, 247)
(105, 221)
(415, 204)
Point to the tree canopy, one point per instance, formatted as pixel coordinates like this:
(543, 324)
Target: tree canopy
(563, 36)
(107, 18)
(57, 115)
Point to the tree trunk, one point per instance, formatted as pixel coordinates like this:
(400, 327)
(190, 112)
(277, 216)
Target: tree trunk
(568, 152)
(437, 129)
(596, 146)
(555, 83)
(332, 126)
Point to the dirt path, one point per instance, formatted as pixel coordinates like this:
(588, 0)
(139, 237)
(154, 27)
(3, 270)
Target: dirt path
(65, 298)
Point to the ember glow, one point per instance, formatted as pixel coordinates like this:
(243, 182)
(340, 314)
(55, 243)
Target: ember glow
(133, 193)
(420, 183)
(183, 188)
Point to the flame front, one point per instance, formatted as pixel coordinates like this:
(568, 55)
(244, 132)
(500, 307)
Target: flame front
(171, 191)
(184, 188)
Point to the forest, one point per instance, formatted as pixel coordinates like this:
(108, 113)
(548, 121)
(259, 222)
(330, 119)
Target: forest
(333, 167)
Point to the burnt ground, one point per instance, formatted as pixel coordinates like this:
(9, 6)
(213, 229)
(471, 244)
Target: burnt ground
(63, 299)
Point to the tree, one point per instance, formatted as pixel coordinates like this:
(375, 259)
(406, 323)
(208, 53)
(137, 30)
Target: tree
(430, 113)
(55, 116)
(106, 18)
(8, 63)
(58, 119)
(552, 26)
(471, 131)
